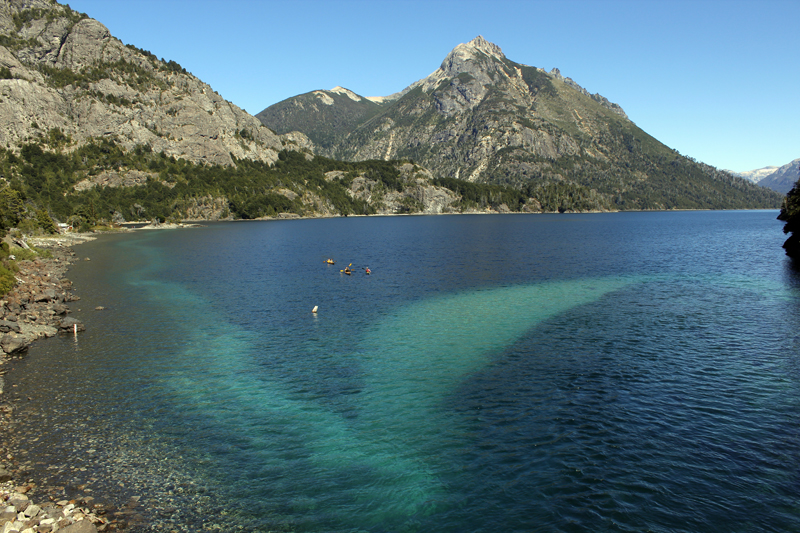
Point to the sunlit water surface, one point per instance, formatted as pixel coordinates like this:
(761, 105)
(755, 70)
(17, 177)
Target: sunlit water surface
(603, 372)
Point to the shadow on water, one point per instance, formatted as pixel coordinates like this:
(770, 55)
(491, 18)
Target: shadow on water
(792, 272)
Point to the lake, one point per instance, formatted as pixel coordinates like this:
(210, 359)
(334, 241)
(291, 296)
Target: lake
(573, 372)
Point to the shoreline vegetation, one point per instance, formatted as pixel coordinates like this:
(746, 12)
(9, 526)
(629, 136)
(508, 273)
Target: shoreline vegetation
(790, 214)
(102, 184)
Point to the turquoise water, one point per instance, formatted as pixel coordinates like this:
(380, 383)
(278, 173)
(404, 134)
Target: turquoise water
(619, 372)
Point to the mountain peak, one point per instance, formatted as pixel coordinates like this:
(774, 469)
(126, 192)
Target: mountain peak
(470, 58)
(474, 50)
(346, 92)
(479, 44)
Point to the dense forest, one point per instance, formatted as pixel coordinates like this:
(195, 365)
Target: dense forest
(52, 179)
(42, 178)
(790, 213)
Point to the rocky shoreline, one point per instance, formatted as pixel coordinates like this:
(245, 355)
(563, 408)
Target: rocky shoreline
(36, 308)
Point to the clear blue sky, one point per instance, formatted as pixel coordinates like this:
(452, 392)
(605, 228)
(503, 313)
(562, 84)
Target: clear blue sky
(718, 80)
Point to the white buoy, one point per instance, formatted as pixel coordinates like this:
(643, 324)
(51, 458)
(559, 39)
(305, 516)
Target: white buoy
(314, 310)
(75, 329)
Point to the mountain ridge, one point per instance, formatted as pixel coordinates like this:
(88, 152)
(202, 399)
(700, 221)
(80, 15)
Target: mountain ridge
(66, 71)
(483, 118)
(780, 179)
(783, 178)
(99, 132)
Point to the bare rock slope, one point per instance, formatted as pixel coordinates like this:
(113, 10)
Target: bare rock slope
(66, 71)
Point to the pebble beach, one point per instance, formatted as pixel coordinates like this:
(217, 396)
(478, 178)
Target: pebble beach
(83, 487)
(39, 307)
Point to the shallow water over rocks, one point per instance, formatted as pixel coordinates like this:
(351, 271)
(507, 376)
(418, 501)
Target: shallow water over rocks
(625, 371)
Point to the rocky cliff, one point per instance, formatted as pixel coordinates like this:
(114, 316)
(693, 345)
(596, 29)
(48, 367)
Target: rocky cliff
(483, 118)
(64, 71)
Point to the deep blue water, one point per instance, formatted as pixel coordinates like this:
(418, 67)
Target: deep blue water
(599, 372)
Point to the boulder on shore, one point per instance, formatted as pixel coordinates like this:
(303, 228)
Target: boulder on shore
(69, 324)
(13, 344)
(8, 325)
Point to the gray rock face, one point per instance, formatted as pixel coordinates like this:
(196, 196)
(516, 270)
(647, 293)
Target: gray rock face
(477, 116)
(207, 208)
(69, 324)
(72, 74)
(7, 325)
(783, 178)
(418, 195)
(10, 343)
(129, 178)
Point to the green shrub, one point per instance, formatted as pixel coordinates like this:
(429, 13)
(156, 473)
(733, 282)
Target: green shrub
(7, 280)
(24, 254)
(45, 222)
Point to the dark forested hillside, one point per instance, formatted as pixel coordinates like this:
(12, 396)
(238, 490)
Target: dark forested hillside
(790, 212)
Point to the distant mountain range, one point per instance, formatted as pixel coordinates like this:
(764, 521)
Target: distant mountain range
(96, 131)
(482, 118)
(780, 179)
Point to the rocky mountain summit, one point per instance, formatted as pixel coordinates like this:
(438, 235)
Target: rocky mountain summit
(754, 175)
(64, 71)
(340, 109)
(783, 178)
(94, 132)
(483, 118)
(780, 179)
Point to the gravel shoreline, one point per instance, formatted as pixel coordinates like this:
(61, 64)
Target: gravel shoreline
(38, 307)
(90, 487)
